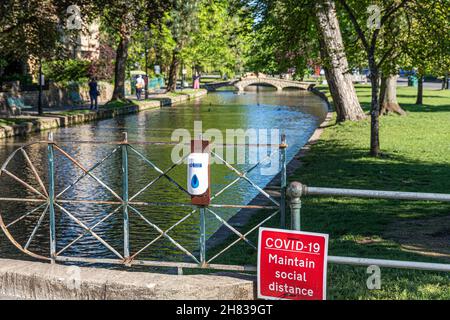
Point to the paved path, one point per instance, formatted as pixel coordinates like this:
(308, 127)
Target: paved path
(8, 298)
(436, 85)
(158, 94)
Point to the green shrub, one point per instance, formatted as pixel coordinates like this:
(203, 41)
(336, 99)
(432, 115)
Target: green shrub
(67, 70)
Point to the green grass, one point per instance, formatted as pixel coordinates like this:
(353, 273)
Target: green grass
(416, 158)
(74, 112)
(116, 104)
(12, 121)
(181, 92)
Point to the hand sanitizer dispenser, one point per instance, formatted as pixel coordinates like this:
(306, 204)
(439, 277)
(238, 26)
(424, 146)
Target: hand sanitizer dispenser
(198, 173)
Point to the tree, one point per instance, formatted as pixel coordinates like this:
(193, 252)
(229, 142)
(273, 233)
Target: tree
(183, 23)
(368, 32)
(293, 34)
(428, 50)
(221, 41)
(385, 30)
(335, 63)
(122, 18)
(32, 31)
(388, 95)
(284, 39)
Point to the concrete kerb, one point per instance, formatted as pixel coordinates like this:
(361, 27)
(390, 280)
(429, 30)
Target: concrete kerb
(39, 281)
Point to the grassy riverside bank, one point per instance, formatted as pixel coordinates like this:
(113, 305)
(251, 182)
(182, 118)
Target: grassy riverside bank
(416, 158)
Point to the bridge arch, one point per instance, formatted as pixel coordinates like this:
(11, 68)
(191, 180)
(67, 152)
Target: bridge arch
(280, 84)
(242, 83)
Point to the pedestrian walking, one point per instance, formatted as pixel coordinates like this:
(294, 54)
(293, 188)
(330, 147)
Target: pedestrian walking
(196, 79)
(93, 93)
(140, 83)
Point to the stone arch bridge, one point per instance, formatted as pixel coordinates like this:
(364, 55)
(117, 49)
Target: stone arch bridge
(242, 83)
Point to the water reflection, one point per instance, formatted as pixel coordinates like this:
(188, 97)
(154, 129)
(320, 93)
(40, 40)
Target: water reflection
(296, 113)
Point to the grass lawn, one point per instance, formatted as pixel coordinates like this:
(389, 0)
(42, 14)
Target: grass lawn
(74, 112)
(12, 121)
(416, 158)
(180, 92)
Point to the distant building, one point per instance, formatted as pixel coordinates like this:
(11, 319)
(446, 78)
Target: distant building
(85, 44)
(82, 44)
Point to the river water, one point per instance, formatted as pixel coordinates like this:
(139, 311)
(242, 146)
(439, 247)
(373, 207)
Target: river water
(296, 113)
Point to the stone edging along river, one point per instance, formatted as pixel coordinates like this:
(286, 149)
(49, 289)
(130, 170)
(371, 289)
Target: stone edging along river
(52, 121)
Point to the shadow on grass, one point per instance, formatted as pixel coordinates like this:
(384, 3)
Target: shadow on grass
(425, 108)
(358, 227)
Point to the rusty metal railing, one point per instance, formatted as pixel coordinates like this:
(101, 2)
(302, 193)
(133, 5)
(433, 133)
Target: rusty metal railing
(47, 200)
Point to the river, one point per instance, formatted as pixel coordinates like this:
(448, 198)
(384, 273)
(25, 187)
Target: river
(296, 113)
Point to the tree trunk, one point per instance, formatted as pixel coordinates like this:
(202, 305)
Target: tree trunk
(388, 96)
(335, 63)
(172, 85)
(120, 68)
(444, 81)
(419, 100)
(375, 108)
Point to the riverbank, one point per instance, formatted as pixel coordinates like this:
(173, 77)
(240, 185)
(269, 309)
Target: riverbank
(416, 158)
(24, 125)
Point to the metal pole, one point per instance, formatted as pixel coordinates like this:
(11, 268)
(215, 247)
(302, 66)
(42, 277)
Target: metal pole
(390, 263)
(146, 61)
(295, 191)
(182, 76)
(283, 147)
(126, 235)
(40, 110)
(376, 194)
(51, 196)
(202, 236)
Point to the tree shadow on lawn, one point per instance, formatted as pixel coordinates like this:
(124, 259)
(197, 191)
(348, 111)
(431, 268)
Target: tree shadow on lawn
(426, 108)
(368, 223)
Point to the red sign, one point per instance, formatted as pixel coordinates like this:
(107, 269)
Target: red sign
(292, 265)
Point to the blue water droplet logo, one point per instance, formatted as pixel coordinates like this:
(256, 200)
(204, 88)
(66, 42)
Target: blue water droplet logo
(195, 182)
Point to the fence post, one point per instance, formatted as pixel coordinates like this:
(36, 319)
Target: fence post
(295, 192)
(283, 147)
(51, 196)
(126, 232)
(202, 236)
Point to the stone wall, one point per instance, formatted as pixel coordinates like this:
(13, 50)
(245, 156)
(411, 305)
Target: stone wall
(58, 96)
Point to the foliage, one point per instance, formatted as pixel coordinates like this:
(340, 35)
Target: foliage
(28, 28)
(23, 79)
(428, 44)
(284, 38)
(220, 41)
(67, 70)
(412, 33)
(183, 22)
(122, 19)
(35, 28)
(102, 68)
